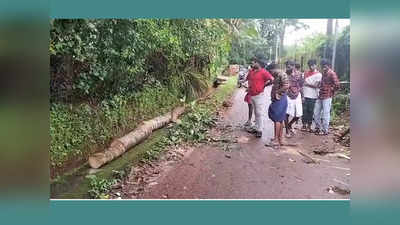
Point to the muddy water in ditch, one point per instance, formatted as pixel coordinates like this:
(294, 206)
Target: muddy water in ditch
(75, 185)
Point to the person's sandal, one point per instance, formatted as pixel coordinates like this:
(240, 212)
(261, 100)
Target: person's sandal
(251, 130)
(321, 133)
(273, 143)
(282, 143)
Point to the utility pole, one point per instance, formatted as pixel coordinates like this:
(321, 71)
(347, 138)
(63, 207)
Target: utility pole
(270, 53)
(334, 44)
(276, 49)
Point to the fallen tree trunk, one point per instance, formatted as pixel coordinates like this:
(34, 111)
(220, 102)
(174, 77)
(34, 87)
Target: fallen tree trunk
(121, 145)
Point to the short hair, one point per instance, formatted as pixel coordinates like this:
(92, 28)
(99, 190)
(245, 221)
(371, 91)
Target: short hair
(325, 62)
(260, 59)
(290, 62)
(312, 62)
(297, 65)
(272, 66)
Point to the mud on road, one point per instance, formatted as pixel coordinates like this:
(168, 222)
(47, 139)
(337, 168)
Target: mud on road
(234, 164)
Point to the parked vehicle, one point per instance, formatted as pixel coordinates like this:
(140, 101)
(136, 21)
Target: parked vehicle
(242, 76)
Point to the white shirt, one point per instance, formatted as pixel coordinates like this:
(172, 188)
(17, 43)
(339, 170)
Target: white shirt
(310, 92)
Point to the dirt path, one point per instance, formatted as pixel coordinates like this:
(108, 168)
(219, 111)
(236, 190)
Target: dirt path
(244, 168)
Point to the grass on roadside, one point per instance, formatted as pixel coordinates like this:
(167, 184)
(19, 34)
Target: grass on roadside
(192, 128)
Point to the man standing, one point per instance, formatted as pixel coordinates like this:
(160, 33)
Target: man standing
(329, 85)
(295, 108)
(277, 108)
(312, 79)
(247, 99)
(298, 68)
(258, 78)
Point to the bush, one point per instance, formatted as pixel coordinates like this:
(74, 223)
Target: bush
(340, 104)
(106, 76)
(95, 59)
(99, 187)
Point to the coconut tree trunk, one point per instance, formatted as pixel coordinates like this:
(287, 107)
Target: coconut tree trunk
(334, 44)
(121, 145)
(329, 27)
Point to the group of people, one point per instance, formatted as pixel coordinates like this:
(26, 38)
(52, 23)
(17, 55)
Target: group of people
(294, 95)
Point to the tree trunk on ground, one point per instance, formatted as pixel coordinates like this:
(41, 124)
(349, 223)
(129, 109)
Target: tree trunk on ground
(121, 145)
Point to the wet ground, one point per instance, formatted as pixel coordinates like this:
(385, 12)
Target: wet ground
(237, 165)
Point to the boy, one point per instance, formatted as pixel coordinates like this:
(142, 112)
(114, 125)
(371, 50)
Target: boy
(277, 108)
(294, 108)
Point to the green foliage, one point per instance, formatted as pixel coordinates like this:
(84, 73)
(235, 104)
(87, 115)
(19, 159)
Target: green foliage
(247, 42)
(191, 84)
(244, 48)
(98, 187)
(193, 126)
(340, 104)
(258, 37)
(342, 65)
(312, 47)
(107, 75)
(75, 131)
(274, 31)
(115, 56)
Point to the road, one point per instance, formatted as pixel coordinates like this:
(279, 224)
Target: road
(249, 170)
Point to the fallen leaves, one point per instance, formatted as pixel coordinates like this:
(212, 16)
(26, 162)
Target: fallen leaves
(227, 104)
(146, 174)
(306, 158)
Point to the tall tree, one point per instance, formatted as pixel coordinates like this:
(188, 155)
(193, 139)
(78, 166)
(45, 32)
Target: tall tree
(329, 31)
(334, 43)
(274, 30)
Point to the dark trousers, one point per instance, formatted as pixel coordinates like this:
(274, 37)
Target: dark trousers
(308, 110)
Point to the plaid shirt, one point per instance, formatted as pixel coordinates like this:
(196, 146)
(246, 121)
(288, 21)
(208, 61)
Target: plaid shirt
(295, 84)
(280, 85)
(329, 85)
